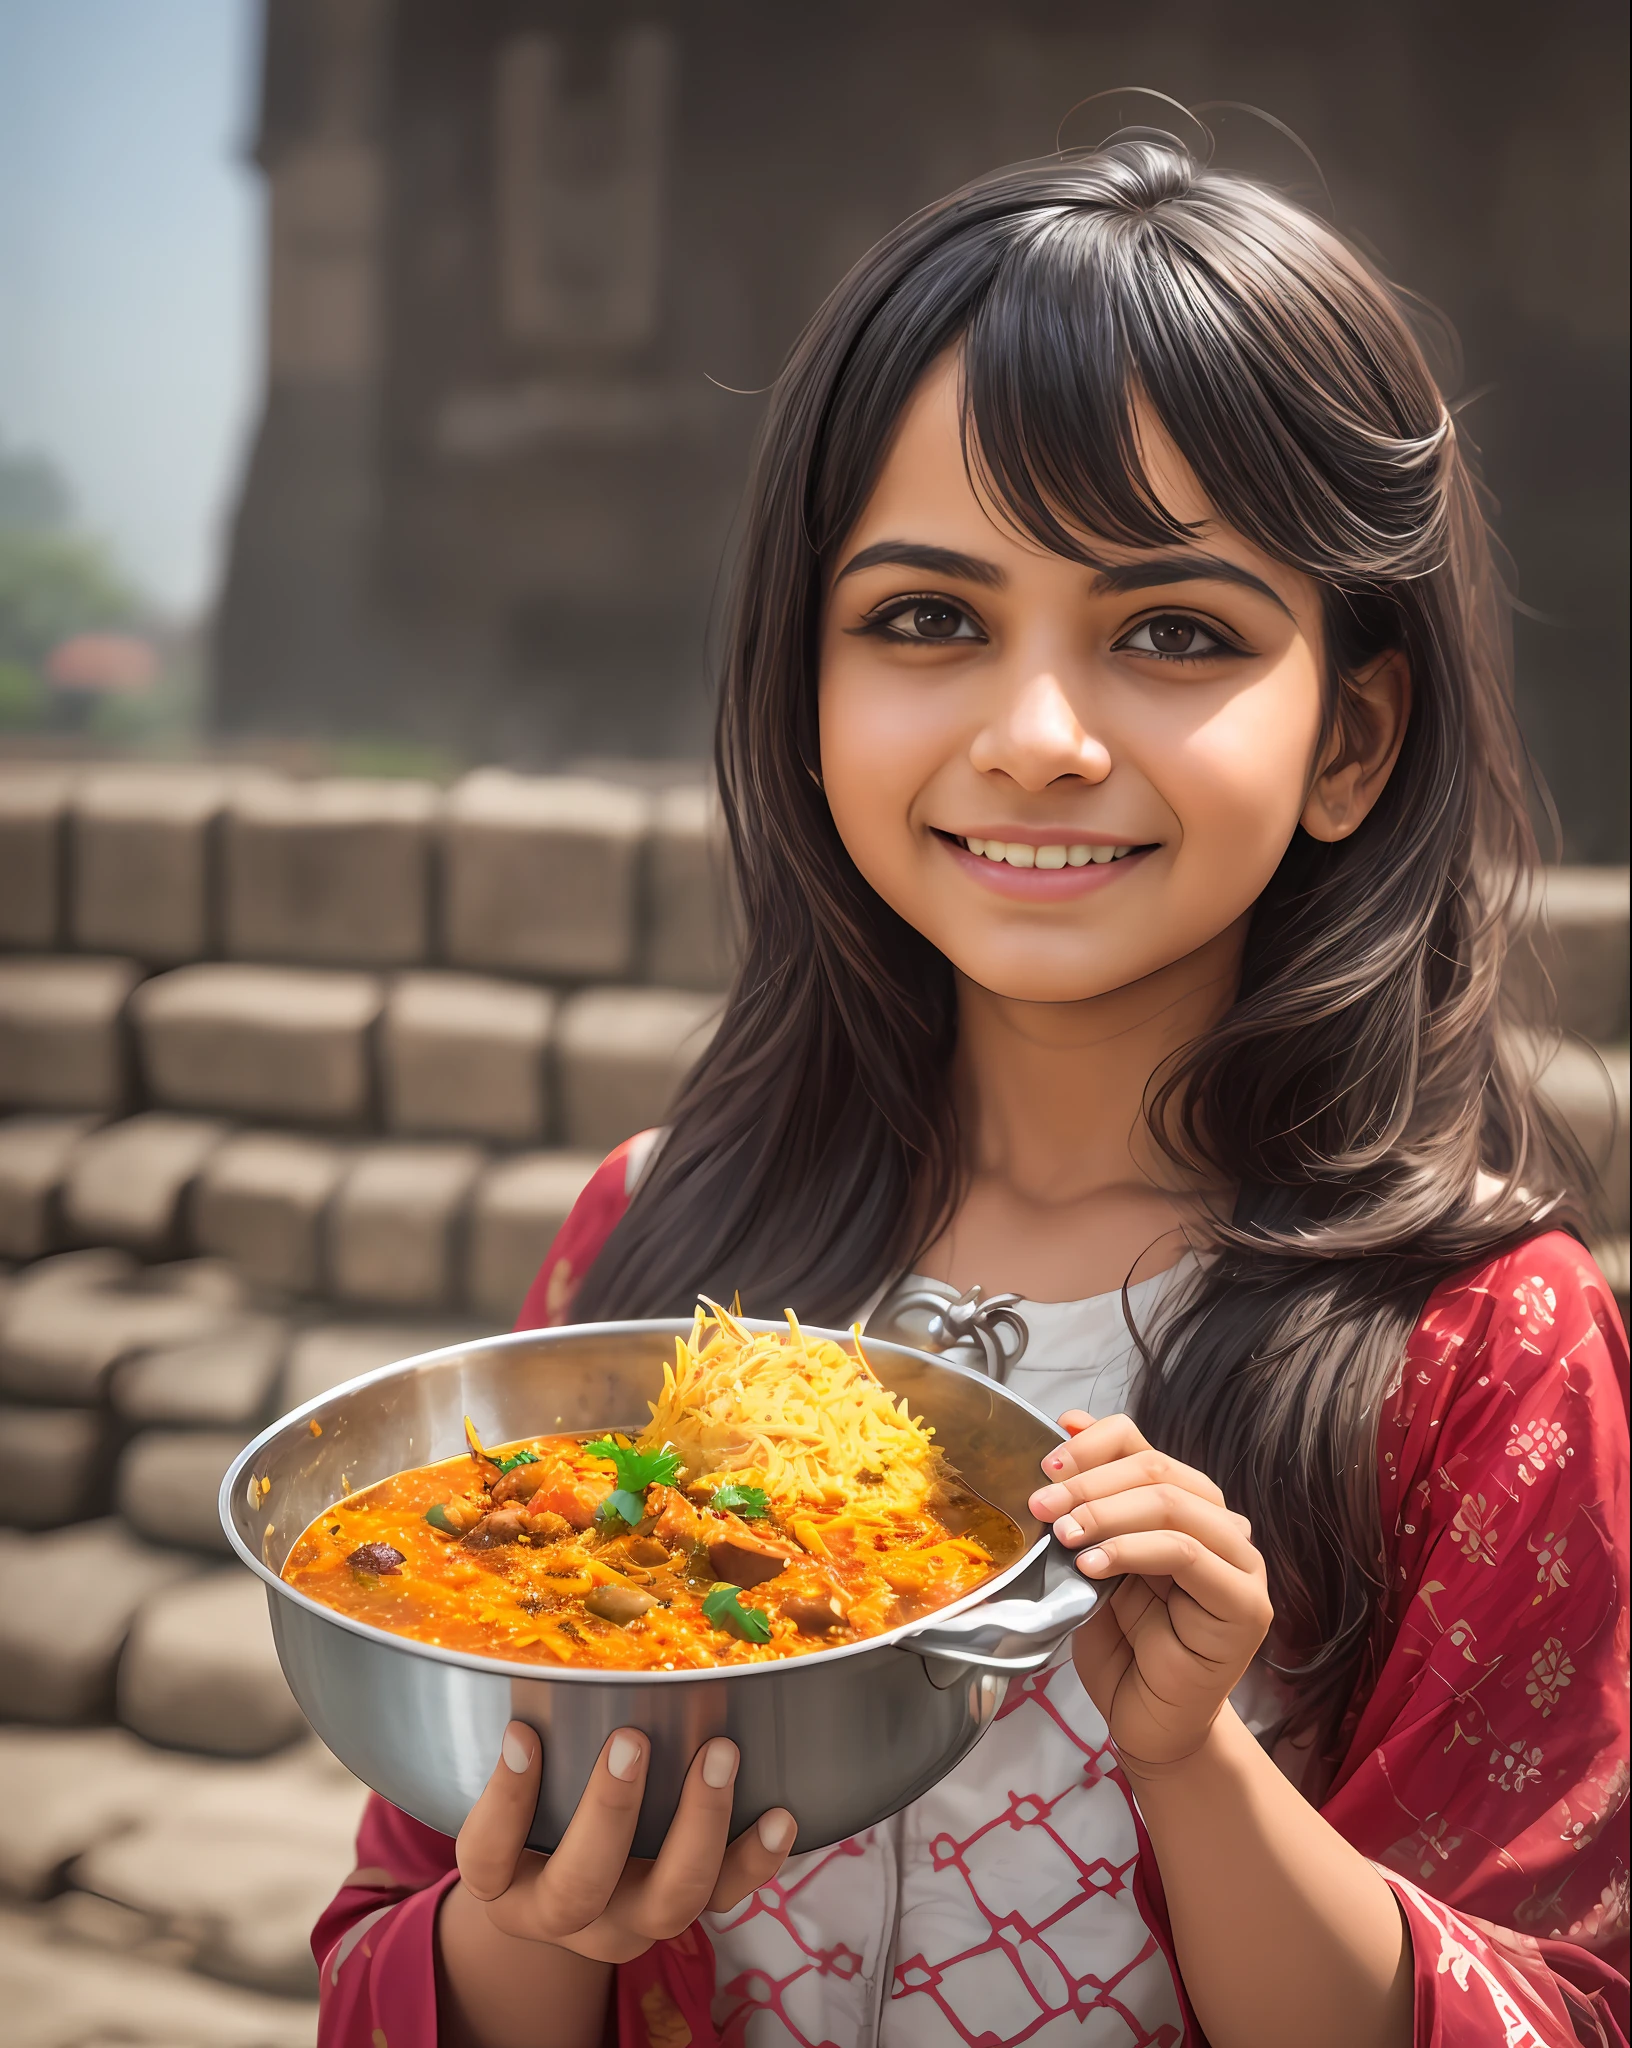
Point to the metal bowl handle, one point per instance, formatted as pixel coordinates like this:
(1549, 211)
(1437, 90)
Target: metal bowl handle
(1008, 1636)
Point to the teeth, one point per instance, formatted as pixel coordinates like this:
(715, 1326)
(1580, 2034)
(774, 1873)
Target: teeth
(1018, 855)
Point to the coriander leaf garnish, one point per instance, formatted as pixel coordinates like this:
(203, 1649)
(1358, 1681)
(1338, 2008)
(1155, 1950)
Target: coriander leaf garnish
(438, 1519)
(637, 1469)
(723, 1607)
(748, 1501)
(519, 1458)
(624, 1506)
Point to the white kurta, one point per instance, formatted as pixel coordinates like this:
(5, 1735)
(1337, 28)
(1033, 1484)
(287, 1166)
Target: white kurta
(998, 1908)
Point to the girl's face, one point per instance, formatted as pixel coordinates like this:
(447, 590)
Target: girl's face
(1069, 777)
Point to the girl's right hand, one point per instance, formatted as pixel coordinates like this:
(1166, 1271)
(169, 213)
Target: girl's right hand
(591, 1896)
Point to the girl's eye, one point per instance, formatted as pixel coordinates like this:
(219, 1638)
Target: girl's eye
(1174, 636)
(926, 621)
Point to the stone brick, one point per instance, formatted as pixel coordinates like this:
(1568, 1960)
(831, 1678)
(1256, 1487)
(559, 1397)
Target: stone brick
(237, 1863)
(329, 1354)
(62, 1034)
(200, 1670)
(128, 1184)
(169, 1480)
(34, 1156)
(56, 1993)
(1590, 1088)
(68, 1320)
(288, 1044)
(691, 937)
(261, 1203)
(1570, 964)
(225, 1381)
(621, 1053)
(33, 847)
(333, 870)
(63, 1789)
(143, 844)
(54, 1465)
(66, 1604)
(519, 1206)
(396, 1232)
(463, 1056)
(1586, 910)
(540, 873)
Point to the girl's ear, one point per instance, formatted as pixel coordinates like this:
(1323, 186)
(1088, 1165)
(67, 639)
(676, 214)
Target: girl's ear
(1361, 753)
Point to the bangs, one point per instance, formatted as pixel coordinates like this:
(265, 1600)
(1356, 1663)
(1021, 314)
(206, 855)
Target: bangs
(1051, 390)
(1274, 361)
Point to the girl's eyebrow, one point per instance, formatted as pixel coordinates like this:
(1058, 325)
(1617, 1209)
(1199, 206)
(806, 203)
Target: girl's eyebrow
(1146, 572)
(911, 554)
(1152, 572)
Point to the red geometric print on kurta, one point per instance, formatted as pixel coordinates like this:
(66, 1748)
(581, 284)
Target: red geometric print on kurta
(998, 1909)
(1033, 1949)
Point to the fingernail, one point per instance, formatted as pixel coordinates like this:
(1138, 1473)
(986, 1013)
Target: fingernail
(517, 1750)
(777, 1830)
(1069, 1530)
(1095, 1560)
(623, 1754)
(719, 1764)
(1050, 1500)
(1055, 1463)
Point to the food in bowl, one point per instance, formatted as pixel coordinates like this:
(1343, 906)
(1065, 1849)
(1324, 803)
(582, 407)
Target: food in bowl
(779, 1501)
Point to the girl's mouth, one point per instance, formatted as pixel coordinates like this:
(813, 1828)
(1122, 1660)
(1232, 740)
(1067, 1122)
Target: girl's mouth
(1046, 872)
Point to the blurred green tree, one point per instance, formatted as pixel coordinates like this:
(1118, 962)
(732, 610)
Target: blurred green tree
(54, 581)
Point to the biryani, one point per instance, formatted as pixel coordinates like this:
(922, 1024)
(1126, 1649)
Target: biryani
(780, 1500)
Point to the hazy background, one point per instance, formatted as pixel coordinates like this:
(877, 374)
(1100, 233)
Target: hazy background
(130, 260)
(355, 354)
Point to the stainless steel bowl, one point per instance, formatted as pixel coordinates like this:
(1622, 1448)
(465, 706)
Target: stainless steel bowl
(841, 1737)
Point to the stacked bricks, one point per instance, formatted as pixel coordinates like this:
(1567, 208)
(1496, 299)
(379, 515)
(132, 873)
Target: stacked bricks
(296, 1079)
(351, 1037)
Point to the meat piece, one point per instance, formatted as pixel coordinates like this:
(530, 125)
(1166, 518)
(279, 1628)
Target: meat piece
(504, 1525)
(521, 1483)
(376, 1557)
(558, 1490)
(545, 1527)
(648, 1551)
(813, 1614)
(741, 1558)
(678, 1523)
(622, 1604)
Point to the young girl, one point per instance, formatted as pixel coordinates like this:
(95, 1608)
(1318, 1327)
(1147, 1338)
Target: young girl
(1126, 810)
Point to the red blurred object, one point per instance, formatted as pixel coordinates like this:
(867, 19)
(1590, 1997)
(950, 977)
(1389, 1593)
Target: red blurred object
(109, 664)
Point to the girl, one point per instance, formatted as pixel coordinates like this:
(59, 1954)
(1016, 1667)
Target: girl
(1126, 810)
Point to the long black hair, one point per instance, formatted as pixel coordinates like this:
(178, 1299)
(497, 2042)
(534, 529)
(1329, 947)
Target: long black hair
(1359, 1086)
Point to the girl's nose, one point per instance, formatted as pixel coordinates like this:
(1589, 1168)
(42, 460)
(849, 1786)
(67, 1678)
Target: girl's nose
(1037, 737)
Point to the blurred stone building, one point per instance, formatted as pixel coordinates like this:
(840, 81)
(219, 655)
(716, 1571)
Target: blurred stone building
(518, 246)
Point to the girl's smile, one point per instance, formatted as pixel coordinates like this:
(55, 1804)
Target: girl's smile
(1034, 866)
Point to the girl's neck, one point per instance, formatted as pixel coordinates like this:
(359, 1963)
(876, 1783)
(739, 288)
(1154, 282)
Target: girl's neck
(1068, 1195)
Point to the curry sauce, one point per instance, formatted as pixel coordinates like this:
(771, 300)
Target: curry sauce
(598, 1554)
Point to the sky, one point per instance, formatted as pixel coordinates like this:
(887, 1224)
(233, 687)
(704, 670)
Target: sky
(130, 269)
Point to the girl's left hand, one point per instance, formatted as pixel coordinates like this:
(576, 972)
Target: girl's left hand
(1162, 1656)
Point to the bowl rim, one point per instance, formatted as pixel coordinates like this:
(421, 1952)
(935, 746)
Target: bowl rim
(516, 1668)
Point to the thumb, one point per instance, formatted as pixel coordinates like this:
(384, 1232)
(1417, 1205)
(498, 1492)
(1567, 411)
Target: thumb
(494, 1835)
